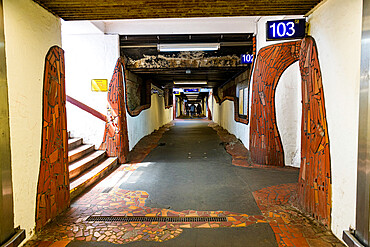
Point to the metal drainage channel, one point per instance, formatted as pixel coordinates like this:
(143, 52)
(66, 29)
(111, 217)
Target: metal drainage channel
(156, 219)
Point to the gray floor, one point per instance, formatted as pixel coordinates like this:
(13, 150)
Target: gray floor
(191, 170)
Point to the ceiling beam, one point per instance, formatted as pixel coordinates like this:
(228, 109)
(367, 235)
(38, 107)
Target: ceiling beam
(144, 9)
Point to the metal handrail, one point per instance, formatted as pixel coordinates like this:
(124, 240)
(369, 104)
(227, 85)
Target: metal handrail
(86, 108)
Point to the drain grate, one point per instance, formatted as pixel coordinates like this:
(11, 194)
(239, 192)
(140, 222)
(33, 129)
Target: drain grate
(156, 219)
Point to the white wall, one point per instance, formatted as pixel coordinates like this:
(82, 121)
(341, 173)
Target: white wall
(336, 27)
(29, 33)
(89, 54)
(289, 114)
(180, 25)
(223, 115)
(148, 120)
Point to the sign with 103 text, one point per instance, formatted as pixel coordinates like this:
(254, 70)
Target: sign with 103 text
(286, 29)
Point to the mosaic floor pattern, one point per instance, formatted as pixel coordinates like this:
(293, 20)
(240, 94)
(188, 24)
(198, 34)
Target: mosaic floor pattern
(291, 228)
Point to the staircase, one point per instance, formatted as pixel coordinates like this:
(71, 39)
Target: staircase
(86, 165)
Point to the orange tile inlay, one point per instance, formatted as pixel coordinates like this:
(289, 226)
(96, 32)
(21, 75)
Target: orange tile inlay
(115, 140)
(53, 184)
(265, 143)
(275, 203)
(315, 174)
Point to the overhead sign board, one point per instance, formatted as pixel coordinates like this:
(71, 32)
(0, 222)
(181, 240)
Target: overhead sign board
(176, 92)
(99, 85)
(246, 58)
(191, 90)
(286, 29)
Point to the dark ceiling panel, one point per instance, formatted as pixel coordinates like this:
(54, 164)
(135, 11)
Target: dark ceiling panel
(134, 47)
(144, 9)
(137, 46)
(214, 77)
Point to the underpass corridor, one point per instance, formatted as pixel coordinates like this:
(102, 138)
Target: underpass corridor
(188, 176)
(184, 123)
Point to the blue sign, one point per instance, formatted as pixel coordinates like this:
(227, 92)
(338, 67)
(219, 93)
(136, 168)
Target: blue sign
(286, 29)
(246, 58)
(191, 90)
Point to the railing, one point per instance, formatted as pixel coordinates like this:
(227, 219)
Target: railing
(86, 108)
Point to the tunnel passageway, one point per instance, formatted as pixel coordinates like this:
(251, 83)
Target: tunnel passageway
(190, 169)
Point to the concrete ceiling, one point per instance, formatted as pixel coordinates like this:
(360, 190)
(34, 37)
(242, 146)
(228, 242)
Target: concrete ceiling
(145, 9)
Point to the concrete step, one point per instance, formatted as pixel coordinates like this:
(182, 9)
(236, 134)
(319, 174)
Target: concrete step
(81, 165)
(79, 152)
(74, 142)
(91, 176)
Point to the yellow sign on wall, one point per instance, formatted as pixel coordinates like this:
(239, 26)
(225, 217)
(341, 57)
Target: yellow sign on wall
(99, 85)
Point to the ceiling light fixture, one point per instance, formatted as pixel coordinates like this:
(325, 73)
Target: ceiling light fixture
(188, 47)
(190, 82)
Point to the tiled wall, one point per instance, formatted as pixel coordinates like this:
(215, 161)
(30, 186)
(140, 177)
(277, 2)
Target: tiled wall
(315, 173)
(168, 98)
(115, 140)
(137, 93)
(265, 143)
(53, 184)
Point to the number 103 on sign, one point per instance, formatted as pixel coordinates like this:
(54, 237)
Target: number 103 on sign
(286, 29)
